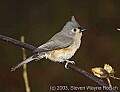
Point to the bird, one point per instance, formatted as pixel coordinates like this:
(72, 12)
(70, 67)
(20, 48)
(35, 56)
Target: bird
(61, 47)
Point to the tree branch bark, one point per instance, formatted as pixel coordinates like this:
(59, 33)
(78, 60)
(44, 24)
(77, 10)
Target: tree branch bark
(70, 66)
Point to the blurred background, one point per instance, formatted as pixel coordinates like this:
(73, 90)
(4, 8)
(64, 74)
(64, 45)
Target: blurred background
(39, 20)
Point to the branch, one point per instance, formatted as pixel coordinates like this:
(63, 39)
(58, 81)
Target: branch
(25, 74)
(16, 42)
(70, 66)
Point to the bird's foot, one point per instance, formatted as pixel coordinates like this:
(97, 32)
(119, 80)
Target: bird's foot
(67, 61)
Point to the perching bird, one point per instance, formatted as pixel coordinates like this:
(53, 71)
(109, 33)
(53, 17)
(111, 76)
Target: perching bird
(61, 47)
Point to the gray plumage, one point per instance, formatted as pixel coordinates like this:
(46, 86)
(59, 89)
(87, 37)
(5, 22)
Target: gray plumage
(36, 56)
(62, 39)
(70, 25)
(54, 44)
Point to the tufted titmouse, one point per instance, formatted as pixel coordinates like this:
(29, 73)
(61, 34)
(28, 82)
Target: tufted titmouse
(61, 47)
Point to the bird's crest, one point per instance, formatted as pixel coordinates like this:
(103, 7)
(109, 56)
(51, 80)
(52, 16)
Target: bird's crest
(71, 24)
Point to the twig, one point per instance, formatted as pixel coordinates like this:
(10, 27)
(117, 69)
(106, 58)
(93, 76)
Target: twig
(25, 76)
(108, 79)
(118, 29)
(70, 66)
(115, 77)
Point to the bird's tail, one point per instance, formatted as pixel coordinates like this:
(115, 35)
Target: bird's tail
(27, 61)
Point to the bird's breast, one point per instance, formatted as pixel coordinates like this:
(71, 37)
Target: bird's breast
(65, 53)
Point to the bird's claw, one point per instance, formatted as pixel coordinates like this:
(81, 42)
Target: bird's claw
(67, 61)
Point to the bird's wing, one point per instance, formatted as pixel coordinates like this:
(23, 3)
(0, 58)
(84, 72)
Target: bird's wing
(58, 41)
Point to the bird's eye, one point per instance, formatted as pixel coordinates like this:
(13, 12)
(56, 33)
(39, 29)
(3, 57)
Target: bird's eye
(74, 30)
